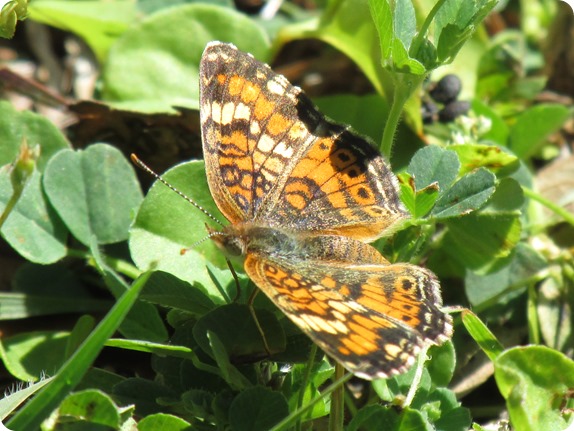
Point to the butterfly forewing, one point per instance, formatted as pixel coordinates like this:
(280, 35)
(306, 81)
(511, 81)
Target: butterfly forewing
(272, 156)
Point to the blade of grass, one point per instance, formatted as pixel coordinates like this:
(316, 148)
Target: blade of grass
(299, 412)
(482, 335)
(41, 406)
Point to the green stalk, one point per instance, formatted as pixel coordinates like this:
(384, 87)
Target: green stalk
(118, 265)
(421, 35)
(557, 209)
(404, 84)
(284, 424)
(304, 384)
(22, 170)
(10, 205)
(337, 416)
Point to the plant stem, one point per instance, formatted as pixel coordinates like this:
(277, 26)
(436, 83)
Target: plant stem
(557, 209)
(304, 384)
(532, 313)
(337, 415)
(418, 40)
(405, 84)
(119, 265)
(10, 206)
(291, 417)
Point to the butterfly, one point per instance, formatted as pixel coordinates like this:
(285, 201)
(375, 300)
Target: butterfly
(304, 196)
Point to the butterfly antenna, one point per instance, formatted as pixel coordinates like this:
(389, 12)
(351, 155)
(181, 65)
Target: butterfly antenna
(146, 168)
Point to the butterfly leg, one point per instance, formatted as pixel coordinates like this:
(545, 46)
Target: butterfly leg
(254, 315)
(237, 285)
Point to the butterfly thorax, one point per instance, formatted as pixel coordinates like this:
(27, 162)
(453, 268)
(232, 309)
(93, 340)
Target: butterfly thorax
(250, 238)
(241, 238)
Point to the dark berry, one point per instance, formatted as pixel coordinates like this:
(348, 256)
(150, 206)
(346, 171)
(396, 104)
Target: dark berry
(429, 112)
(453, 110)
(446, 89)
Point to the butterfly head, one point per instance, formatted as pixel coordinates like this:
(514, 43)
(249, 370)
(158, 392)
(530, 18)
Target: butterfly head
(229, 240)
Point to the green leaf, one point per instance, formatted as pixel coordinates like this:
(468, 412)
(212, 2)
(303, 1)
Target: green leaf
(467, 195)
(29, 355)
(418, 203)
(17, 127)
(537, 384)
(367, 114)
(97, 378)
(478, 241)
(441, 363)
(167, 290)
(155, 64)
(143, 321)
(554, 305)
(237, 331)
(433, 164)
(145, 394)
(80, 332)
(198, 402)
(455, 23)
(257, 408)
(407, 189)
(414, 420)
(229, 372)
(163, 422)
(90, 406)
(32, 228)
(166, 226)
(401, 61)
(94, 191)
(28, 223)
(440, 403)
(398, 386)
(491, 157)
(426, 55)
(292, 389)
(152, 6)
(396, 28)
(452, 12)
(499, 131)
(404, 22)
(373, 417)
(382, 16)
(533, 127)
(452, 417)
(348, 27)
(98, 23)
(39, 290)
(508, 198)
(12, 11)
(426, 199)
(487, 288)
